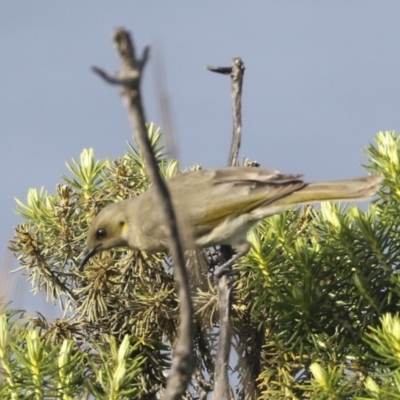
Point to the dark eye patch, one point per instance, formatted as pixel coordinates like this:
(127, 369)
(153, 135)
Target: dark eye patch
(101, 234)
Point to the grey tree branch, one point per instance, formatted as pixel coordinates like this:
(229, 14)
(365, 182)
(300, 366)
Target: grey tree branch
(222, 389)
(129, 79)
(236, 72)
(248, 355)
(237, 82)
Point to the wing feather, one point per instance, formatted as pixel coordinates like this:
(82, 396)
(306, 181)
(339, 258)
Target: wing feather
(209, 197)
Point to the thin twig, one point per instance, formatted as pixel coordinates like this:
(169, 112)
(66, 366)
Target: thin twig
(249, 356)
(129, 78)
(249, 353)
(236, 73)
(222, 388)
(237, 82)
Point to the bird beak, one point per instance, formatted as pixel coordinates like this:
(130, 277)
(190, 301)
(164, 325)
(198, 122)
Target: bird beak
(87, 254)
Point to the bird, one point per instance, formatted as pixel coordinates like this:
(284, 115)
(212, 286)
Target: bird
(214, 207)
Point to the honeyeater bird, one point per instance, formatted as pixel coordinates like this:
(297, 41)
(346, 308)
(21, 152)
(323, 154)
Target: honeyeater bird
(215, 207)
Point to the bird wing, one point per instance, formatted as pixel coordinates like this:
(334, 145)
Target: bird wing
(208, 197)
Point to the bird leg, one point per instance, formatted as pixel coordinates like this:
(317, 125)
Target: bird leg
(241, 250)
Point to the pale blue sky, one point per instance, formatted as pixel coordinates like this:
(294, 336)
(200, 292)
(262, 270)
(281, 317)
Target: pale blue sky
(321, 79)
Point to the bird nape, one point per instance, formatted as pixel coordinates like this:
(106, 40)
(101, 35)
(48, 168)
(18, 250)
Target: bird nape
(214, 207)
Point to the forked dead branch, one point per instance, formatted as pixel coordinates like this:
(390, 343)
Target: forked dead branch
(129, 78)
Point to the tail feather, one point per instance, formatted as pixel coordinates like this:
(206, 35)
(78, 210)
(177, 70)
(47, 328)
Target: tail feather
(347, 190)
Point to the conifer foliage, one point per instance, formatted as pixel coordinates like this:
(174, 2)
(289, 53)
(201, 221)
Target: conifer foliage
(315, 309)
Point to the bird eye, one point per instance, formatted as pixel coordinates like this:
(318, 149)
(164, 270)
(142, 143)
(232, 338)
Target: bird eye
(100, 234)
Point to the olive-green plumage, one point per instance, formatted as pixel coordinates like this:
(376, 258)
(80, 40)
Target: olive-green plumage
(214, 207)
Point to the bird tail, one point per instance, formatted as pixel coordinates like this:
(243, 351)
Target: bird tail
(346, 190)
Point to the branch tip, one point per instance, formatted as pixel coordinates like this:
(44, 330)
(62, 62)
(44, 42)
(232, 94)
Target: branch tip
(220, 70)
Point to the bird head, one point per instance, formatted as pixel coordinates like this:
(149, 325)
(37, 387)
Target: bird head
(107, 230)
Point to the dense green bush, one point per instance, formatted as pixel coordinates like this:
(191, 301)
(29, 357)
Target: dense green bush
(315, 302)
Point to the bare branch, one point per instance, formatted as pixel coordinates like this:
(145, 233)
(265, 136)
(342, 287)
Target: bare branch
(248, 358)
(236, 72)
(237, 82)
(220, 70)
(222, 388)
(108, 78)
(129, 78)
